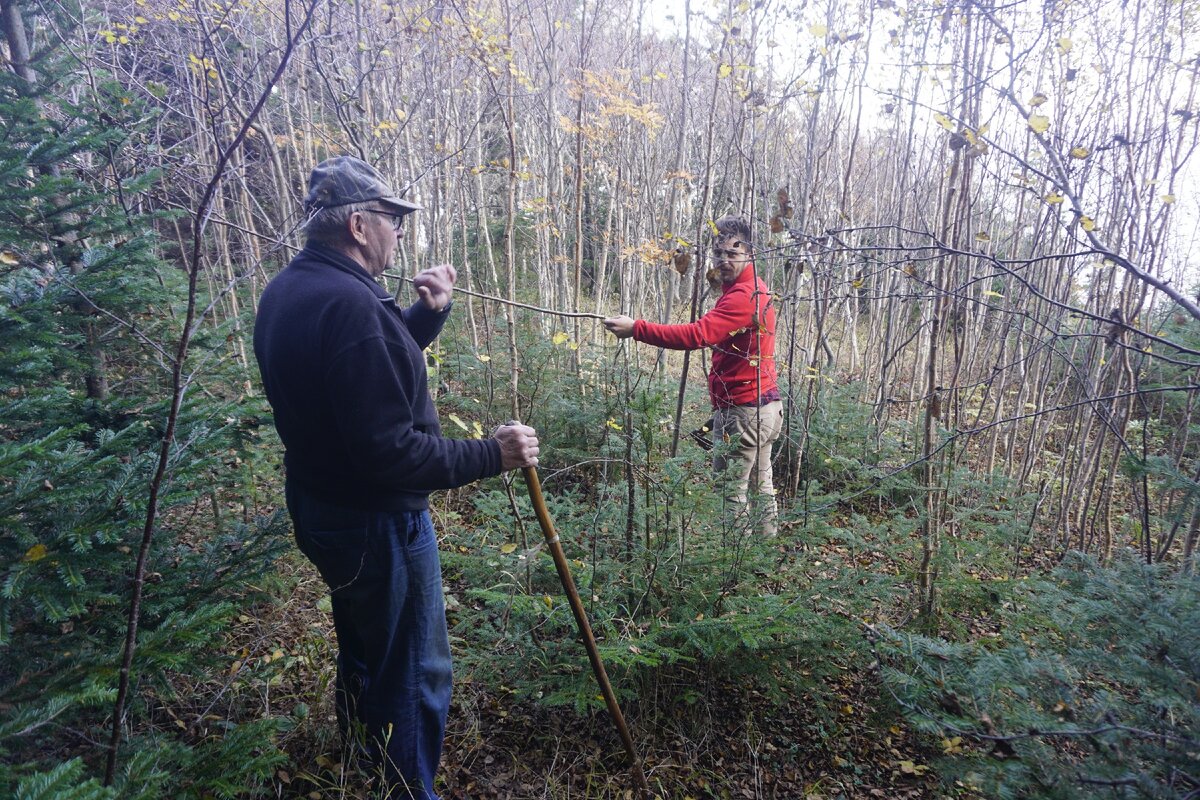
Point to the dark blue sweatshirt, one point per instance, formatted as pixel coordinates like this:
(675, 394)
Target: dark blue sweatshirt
(344, 370)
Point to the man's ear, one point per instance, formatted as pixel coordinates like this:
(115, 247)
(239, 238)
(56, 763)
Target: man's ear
(357, 227)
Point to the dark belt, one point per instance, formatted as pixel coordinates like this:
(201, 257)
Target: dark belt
(769, 396)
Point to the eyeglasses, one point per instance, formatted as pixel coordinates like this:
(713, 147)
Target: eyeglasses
(397, 219)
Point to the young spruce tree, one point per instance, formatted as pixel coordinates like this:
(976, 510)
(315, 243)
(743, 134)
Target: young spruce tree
(87, 315)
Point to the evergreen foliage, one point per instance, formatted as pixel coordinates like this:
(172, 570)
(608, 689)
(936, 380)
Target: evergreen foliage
(1088, 687)
(86, 315)
(64, 782)
(684, 591)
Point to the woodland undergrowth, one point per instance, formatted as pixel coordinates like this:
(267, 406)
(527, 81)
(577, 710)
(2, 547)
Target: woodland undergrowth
(847, 657)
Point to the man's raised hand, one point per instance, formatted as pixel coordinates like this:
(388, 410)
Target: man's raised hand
(435, 286)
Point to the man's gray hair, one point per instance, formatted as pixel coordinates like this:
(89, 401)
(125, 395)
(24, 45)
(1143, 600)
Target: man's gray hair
(328, 225)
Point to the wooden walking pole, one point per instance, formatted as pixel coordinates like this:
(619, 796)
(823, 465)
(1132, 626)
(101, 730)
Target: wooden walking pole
(585, 629)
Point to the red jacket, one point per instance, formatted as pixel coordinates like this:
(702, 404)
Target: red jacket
(740, 329)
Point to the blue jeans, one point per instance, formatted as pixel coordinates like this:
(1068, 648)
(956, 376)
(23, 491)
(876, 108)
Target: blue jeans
(393, 676)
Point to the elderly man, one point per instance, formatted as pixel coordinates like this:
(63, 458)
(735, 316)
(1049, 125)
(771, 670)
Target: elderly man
(344, 370)
(743, 387)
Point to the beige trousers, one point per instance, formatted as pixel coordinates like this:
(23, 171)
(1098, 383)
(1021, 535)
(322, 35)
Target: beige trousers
(743, 436)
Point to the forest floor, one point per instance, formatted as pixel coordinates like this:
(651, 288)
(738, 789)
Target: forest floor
(727, 742)
(747, 748)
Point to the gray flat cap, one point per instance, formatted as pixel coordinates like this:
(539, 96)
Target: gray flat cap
(343, 180)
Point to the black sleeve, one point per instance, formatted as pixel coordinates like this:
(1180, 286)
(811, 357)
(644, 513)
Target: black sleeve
(373, 388)
(423, 324)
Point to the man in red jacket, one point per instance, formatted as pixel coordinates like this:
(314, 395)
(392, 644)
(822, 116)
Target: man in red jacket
(743, 385)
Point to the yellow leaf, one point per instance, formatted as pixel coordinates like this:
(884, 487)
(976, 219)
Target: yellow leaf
(612, 423)
(559, 338)
(818, 30)
(1064, 45)
(1166, 198)
(35, 553)
(1039, 123)
(508, 548)
(990, 293)
(1054, 198)
(1087, 223)
(724, 71)
(982, 237)
(952, 745)
(9, 259)
(1080, 152)
(944, 121)
(484, 357)
(458, 421)
(1038, 99)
